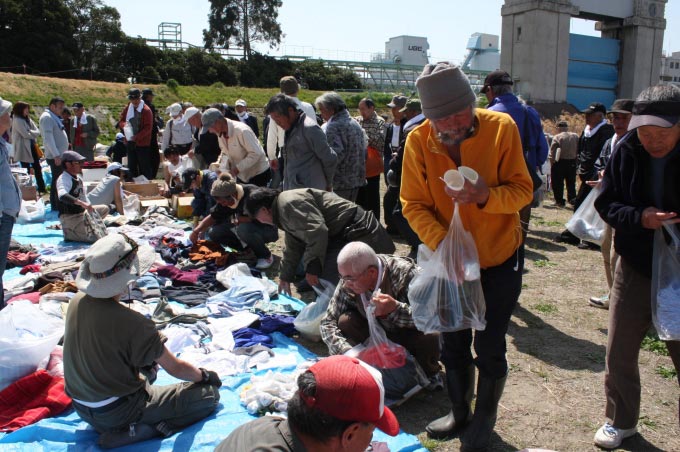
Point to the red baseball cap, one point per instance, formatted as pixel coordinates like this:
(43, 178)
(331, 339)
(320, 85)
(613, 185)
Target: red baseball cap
(350, 390)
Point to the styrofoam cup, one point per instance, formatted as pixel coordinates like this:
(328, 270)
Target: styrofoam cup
(454, 179)
(468, 173)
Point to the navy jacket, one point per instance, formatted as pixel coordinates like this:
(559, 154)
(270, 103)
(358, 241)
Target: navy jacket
(537, 151)
(627, 191)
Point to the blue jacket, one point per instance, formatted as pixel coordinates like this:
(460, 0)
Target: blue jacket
(537, 151)
(627, 191)
(203, 202)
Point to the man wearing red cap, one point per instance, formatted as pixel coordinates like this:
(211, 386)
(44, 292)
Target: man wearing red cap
(339, 402)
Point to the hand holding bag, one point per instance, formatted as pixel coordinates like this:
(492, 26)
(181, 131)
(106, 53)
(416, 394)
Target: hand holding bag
(402, 375)
(447, 294)
(666, 283)
(586, 223)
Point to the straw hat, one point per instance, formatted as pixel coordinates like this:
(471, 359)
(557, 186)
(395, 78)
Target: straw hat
(111, 263)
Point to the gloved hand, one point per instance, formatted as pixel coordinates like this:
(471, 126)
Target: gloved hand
(210, 377)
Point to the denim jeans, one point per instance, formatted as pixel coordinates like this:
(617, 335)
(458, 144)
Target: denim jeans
(6, 225)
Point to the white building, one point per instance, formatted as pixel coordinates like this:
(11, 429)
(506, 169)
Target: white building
(670, 68)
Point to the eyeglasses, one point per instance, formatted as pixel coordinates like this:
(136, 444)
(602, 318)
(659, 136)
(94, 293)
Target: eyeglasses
(75, 162)
(351, 278)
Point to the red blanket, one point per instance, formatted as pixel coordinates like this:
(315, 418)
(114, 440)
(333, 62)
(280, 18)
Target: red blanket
(30, 399)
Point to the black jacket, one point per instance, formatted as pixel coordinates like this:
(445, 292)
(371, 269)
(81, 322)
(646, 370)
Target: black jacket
(627, 191)
(251, 121)
(589, 149)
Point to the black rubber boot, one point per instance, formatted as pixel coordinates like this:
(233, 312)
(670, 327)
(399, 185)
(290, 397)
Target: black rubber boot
(136, 433)
(478, 432)
(460, 384)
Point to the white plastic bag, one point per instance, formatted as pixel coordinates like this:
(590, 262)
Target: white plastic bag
(586, 223)
(131, 206)
(666, 283)
(446, 295)
(27, 336)
(308, 321)
(31, 212)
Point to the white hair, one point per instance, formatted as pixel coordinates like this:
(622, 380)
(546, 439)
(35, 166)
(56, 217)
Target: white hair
(359, 255)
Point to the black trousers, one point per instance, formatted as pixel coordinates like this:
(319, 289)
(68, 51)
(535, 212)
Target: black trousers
(404, 227)
(139, 161)
(502, 285)
(369, 196)
(583, 191)
(390, 201)
(37, 170)
(56, 172)
(261, 180)
(561, 172)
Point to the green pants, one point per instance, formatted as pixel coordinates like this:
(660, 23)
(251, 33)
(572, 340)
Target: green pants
(178, 405)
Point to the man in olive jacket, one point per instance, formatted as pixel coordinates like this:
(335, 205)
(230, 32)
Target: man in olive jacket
(84, 132)
(317, 224)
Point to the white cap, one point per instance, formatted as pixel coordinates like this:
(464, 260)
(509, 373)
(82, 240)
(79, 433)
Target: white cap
(189, 112)
(5, 106)
(174, 109)
(241, 103)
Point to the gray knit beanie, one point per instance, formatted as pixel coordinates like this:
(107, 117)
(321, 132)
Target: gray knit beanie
(224, 187)
(443, 90)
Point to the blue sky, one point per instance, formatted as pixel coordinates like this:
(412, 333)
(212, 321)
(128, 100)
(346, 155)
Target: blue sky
(352, 29)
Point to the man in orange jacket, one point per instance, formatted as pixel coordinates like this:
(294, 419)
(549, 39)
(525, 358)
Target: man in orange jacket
(457, 134)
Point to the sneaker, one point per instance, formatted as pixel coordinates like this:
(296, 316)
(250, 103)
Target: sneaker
(600, 302)
(263, 264)
(610, 437)
(436, 382)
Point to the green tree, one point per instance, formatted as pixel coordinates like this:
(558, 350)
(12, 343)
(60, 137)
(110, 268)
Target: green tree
(39, 34)
(97, 30)
(239, 23)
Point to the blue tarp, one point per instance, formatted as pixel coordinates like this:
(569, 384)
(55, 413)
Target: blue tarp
(68, 433)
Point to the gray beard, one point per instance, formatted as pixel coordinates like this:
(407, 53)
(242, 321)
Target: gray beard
(447, 140)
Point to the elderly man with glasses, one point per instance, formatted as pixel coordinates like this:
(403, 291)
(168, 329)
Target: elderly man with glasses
(367, 277)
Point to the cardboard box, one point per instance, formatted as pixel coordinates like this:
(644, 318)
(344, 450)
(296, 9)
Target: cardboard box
(149, 201)
(93, 174)
(181, 204)
(28, 193)
(89, 186)
(150, 189)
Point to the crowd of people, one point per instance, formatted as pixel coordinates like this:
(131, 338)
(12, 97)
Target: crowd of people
(317, 179)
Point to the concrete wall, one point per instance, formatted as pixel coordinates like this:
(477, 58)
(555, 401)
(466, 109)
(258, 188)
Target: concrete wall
(535, 43)
(535, 48)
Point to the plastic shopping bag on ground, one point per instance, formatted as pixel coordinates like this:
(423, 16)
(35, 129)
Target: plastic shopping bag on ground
(27, 337)
(586, 223)
(402, 375)
(308, 321)
(131, 206)
(31, 212)
(446, 295)
(666, 283)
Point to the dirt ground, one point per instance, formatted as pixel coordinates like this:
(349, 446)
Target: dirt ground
(554, 395)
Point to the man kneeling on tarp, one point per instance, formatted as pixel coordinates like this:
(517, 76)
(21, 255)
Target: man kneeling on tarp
(73, 203)
(107, 346)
